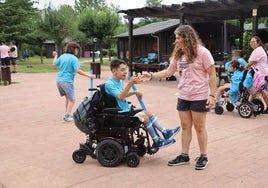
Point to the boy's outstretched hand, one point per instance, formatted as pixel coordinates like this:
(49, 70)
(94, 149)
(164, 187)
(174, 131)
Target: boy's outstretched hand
(136, 79)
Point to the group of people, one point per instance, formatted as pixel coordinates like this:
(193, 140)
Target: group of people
(196, 90)
(238, 68)
(9, 54)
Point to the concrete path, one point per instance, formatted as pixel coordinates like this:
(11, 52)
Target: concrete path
(36, 146)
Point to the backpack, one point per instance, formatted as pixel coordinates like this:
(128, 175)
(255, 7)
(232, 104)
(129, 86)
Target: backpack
(101, 99)
(97, 101)
(85, 114)
(84, 117)
(258, 81)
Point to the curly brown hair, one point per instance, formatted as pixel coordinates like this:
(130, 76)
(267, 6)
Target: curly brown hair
(71, 46)
(191, 41)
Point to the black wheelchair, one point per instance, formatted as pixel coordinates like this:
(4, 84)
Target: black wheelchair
(112, 137)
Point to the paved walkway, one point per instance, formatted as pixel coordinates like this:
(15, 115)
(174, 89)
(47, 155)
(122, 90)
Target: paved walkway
(36, 147)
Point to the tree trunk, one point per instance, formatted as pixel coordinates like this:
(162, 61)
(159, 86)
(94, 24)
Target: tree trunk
(41, 54)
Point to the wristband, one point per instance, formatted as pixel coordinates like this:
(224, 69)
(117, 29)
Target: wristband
(212, 96)
(151, 76)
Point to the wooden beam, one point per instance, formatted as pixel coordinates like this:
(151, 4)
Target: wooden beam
(241, 23)
(130, 49)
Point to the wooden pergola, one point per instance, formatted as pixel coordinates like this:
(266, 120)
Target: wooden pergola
(203, 11)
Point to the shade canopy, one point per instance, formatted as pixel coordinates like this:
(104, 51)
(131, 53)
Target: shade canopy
(208, 10)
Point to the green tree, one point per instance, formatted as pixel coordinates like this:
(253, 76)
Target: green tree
(153, 3)
(98, 24)
(148, 20)
(58, 25)
(17, 20)
(81, 5)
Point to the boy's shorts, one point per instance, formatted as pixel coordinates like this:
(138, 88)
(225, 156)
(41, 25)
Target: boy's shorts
(66, 89)
(13, 60)
(197, 106)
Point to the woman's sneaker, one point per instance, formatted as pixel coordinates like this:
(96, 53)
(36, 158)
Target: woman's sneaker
(163, 143)
(180, 160)
(170, 133)
(201, 163)
(68, 118)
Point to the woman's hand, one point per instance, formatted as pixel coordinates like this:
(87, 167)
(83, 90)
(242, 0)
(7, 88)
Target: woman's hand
(91, 76)
(146, 76)
(210, 102)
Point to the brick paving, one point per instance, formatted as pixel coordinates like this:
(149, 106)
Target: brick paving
(36, 146)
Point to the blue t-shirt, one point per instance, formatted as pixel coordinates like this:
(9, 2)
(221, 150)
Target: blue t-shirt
(236, 79)
(68, 65)
(114, 88)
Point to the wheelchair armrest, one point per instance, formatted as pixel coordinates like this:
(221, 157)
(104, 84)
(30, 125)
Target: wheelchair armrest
(92, 89)
(111, 110)
(135, 111)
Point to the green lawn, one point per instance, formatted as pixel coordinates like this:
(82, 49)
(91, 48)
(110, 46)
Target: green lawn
(33, 65)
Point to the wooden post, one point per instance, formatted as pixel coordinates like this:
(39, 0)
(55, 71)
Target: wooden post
(254, 21)
(241, 33)
(130, 49)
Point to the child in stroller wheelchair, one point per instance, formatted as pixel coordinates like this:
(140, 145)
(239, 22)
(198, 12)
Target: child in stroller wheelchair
(238, 95)
(120, 131)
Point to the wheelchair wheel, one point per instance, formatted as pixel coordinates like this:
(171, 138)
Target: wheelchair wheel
(109, 153)
(132, 159)
(258, 106)
(79, 156)
(245, 110)
(219, 110)
(229, 107)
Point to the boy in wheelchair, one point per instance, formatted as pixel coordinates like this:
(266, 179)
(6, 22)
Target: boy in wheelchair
(114, 86)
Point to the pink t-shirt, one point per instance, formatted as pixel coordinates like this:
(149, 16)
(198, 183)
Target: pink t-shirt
(260, 58)
(193, 77)
(4, 50)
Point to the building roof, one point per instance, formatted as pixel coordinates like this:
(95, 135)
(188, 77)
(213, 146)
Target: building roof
(152, 28)
(206, 10)
(157, 27)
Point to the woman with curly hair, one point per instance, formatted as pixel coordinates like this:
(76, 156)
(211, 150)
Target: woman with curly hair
(196, 90)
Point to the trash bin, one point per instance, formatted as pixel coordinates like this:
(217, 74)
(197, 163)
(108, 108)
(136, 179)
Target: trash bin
(96, 68)
(5, 75)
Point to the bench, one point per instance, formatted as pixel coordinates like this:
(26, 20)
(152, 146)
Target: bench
(153, 67)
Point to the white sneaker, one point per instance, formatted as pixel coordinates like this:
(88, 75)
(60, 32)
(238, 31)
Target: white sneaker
(68, 119)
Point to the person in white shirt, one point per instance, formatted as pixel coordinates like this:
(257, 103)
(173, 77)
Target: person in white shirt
(13, 55)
